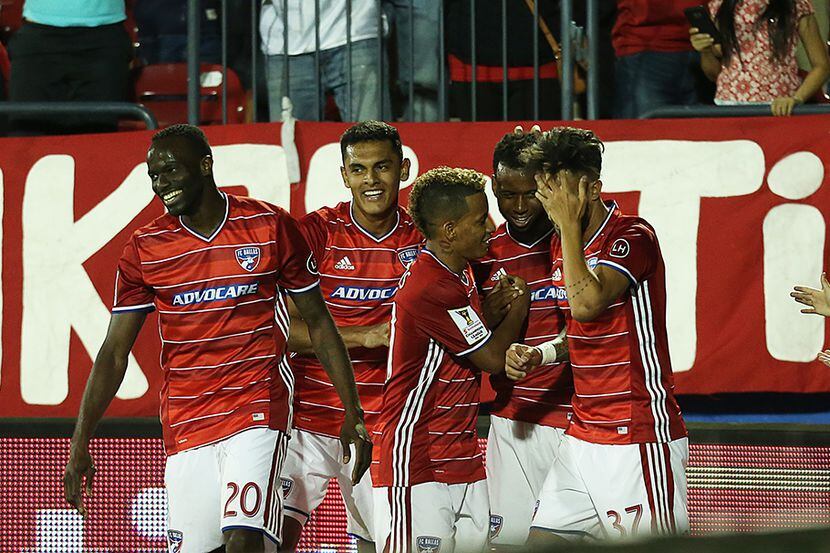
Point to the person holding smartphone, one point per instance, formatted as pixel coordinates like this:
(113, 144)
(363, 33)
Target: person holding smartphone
(754, 62)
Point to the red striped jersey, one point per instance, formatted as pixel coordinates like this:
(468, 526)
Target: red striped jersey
(359, 276)
(223, 320)
(430, 400)
(624, 387)
(544, 396)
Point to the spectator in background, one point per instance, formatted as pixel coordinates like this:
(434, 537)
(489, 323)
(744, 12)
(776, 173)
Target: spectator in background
(369, 88)
(425, 68)
(488, 48)
(69, 50)
(162, 31)
(655, 64)
(818, 303)
(756, 63)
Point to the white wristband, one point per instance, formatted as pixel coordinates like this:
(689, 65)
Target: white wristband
(548, 351)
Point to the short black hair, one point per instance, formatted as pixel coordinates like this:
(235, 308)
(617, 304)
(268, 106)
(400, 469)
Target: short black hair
(439, 195)
(191, 133)
(568, 148)
(509, 149)
(366, 131)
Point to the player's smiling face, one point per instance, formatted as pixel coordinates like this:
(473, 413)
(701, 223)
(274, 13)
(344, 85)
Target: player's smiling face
(175, 176)
(515, 192)
(373, 172)
(473, 229)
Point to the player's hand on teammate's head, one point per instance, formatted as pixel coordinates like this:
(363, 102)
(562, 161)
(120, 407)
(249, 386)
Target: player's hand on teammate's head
(824, 357)
(377, 336)
(519, 130)
(521, 359)
(354, 432)
(817, 301)
(77, 478)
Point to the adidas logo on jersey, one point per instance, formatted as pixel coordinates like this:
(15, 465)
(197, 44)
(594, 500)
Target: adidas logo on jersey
(344, 264)
(557, 274)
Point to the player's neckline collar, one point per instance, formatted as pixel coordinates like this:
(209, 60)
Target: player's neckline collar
(612, 207)
(369, 234)
(461, 276)
(219, 228)
(516, 240)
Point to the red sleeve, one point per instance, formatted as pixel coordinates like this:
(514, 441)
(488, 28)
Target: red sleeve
(316, 232)
(445, 315)
(633, 251)
(296, 264)
(803, 8)
(131, 292)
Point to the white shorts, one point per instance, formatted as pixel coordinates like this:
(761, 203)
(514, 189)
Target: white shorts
(432, 518)
(614, 491)
(519, 457)
(312, 461)
(230, 484)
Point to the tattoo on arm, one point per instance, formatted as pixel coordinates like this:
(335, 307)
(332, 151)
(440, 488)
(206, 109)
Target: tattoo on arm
(580, 286)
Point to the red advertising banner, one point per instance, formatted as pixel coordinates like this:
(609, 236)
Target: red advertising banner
(740, 207)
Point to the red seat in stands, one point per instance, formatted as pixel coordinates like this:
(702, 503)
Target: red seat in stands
(162, 88)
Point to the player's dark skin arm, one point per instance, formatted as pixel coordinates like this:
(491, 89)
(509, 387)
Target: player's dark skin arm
(299, 339)
(107, 374)
(490, 357)
(332, 353)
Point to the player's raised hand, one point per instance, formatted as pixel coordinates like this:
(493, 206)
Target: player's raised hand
(564, 196)
(497, 302)
(519, 130)
(77, 478)
(817, 301)
(520, 359)
(376, 336)
(354, 432)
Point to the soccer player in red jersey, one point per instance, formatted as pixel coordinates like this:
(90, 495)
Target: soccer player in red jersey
(363, 248)
(430, 491)
(217, 268)
(528, 418)
(621, 466)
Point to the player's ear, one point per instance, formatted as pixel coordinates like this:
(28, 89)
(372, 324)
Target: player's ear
(595, 189)
(206, 166)
(343, 175)
(449, 230)
(405, 165)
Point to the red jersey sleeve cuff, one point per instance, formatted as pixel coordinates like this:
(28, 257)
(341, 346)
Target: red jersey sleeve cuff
(621, 269)
(477, 345)
(304, 289)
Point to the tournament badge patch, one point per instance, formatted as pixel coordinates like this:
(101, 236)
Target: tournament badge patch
(469, 324)
(428, 544)
(248, 257)
(174, 540)
(407, 256)
(496, 522)
(287, 486)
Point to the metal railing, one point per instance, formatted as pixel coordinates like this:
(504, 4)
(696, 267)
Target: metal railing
(441, 80)
(679, 112)
(123, 109)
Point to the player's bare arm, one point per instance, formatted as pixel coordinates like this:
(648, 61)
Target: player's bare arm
(817, 301)
(331, 351)
(565, 197)
(490, 357)
(107, 373)
(371, 336)
(521, 358)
